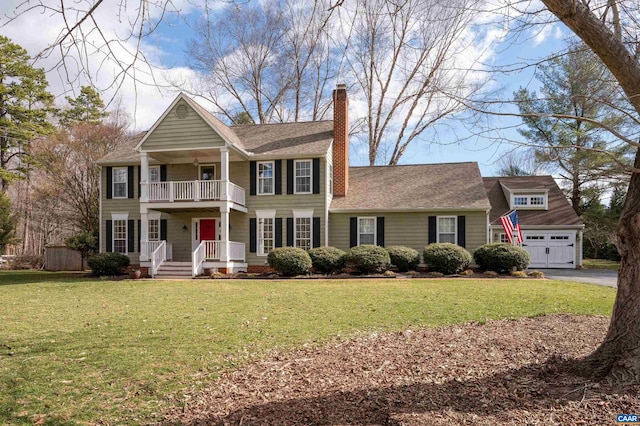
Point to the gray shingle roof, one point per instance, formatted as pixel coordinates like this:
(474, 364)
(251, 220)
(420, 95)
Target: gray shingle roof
(560, 211)
(286, 139)
(124, 153)
(424, 186)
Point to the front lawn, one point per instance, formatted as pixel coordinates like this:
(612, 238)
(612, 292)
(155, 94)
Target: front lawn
(600, 264)
(78, 350)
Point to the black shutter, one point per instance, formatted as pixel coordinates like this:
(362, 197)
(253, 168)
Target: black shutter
(139, 235)
(252, 180)
(289, 232)
(130, 182)
(163, 172)
(353, 232)
(289, 176)
(380, 231)
(253, 235)
(278, 179)
(139, 181)
(316, 232)
(278, 232)
(131, 236)
(432, 229)
(163, 229)
(461, 231)
(316, 175)
(109, 182)
(108, 235)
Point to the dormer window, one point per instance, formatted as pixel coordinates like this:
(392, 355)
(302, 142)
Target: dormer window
(529, 201)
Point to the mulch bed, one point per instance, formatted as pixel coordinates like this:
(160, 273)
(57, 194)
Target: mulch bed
(503, 372)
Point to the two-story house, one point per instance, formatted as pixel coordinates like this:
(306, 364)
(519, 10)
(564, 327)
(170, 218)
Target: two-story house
(194, 193)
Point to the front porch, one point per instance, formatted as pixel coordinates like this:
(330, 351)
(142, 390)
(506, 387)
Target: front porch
(224, 255)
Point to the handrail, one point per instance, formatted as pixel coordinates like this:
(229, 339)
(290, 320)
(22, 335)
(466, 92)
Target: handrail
(158, 256)
(198, 257)
(193, 190)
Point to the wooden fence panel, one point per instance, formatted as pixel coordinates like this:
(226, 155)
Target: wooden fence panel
(61, 258)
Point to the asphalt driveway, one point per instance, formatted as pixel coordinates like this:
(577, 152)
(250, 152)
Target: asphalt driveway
(602, 277)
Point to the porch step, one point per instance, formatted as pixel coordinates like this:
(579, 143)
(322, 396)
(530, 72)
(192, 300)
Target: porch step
(174, 270)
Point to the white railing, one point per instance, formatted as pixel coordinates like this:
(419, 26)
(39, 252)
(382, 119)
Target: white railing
(236, 251)
(193, 190)
(148, 247)
(199, 255)
(236, 193)
(212, 249)
(158, 256)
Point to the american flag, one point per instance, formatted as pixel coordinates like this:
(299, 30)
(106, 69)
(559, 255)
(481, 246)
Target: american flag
(510, 222)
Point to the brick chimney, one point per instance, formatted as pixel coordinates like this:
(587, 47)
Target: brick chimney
(340, 141)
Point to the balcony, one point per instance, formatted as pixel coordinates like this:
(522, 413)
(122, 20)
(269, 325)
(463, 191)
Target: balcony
(193, 191)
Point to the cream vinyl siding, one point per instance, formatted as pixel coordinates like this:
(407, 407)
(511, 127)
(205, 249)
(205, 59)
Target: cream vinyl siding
(408, 229)
(120, 205)
(186, 133)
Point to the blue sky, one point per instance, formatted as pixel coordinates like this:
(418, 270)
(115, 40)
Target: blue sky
(167, 48)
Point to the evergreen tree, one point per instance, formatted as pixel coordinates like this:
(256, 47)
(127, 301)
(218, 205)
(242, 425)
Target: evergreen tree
(87, 107)
(24, 107)
(576, 85)
(7, 223)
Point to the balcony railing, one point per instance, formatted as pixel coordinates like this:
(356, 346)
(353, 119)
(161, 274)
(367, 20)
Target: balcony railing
(193, 190)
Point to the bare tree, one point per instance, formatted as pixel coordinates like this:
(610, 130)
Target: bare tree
(402, 57)
(269, 61)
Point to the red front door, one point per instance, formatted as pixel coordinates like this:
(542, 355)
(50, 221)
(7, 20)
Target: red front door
(207, 229)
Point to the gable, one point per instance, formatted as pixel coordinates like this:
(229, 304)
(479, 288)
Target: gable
(181, 127)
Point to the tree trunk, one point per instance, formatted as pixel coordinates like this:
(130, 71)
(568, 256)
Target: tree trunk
(618, 357)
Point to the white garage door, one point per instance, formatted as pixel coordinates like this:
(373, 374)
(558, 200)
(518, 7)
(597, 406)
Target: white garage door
(550, 249)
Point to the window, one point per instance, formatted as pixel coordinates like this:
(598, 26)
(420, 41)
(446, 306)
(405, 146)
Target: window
(265, 178)
(120, 236)
(537, 201)
(447, 229)
(366, 230)
(265, 235)
(503, 238)
(154, 174)
(154, 230)
(119, 182)
(303, 233)
(331, 179)
(520, 201)
(207, 172)
(303, 176)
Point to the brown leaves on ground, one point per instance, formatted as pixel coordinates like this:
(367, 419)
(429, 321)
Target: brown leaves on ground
(503, 372)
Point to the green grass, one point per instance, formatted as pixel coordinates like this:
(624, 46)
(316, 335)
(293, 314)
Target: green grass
(600, 264)
(113, 351)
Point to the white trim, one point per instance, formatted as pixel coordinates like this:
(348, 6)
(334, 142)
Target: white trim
(154, 167)
(528, 194)
(375, 228)
(120, 216)
(261, 215)
(295, 176)
(195, 239)
(412, 210)
(273, 177)
(113, 182)
(200, 166)
(455, 227)
(154, 214)
(302, 214)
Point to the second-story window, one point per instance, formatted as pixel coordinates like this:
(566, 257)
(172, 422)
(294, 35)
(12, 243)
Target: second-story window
(303, 176)
(154, 173)
(265, 177)
(119, 182)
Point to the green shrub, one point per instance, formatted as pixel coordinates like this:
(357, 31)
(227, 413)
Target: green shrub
(519, 274)
(446, 258)
(108, 264)
(501, 257)
(289, 261)
(368, 259)
(327, 260)
(405, 258)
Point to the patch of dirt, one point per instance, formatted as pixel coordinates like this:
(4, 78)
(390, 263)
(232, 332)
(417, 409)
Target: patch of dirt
(503, 372)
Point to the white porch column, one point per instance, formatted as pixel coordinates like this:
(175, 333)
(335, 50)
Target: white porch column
(144, 236)
(224, 173)
(144, 176)
(580, 245)
(224, 233)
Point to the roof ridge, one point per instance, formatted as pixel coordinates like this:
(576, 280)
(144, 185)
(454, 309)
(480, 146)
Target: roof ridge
(233, 126)
(414, 165)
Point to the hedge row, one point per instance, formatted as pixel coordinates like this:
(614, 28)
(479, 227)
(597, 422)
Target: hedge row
(446, 258)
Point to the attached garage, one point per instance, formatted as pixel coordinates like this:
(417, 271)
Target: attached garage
(550, 249)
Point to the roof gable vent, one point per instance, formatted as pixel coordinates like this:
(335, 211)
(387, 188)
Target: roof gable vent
(182, 111)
